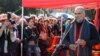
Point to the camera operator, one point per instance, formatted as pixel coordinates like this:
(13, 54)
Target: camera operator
(7, 36)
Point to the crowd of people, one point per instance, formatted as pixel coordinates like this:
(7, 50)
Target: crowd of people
(37, 34)
(41, 35)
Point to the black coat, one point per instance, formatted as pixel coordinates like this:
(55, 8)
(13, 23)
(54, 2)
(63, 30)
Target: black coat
(2, 41)
(31, 34)
(89, 34)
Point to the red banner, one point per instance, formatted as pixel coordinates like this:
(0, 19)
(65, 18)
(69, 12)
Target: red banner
(58, 3)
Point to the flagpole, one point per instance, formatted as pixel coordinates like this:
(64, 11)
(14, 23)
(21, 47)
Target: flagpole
(22, 30)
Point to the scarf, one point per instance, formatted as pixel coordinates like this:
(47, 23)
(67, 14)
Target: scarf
(84, 34)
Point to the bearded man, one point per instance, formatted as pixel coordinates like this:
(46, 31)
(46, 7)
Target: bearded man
(82, 35)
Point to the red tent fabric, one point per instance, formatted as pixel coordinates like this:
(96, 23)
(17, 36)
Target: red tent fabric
(58, 3)
(63, 4)
(96, 20)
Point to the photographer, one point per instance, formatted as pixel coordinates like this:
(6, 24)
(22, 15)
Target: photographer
(7, 37)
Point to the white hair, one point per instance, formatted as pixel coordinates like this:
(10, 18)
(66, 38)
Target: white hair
(81, 8)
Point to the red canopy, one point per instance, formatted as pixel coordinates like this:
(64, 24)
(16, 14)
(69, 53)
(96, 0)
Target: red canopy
(63, 4)
(59, 3)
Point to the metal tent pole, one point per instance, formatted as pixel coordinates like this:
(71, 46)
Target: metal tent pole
(22, 30)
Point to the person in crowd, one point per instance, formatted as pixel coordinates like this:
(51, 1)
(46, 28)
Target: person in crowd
(54, 34)
(44, 37)
(30, 40)
(7, 36)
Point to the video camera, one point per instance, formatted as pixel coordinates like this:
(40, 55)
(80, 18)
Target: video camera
(12, 22)
(9, 18)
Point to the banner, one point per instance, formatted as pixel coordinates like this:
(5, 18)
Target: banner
(58, 3)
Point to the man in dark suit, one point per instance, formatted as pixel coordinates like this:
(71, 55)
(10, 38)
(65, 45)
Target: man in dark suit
(7, 38)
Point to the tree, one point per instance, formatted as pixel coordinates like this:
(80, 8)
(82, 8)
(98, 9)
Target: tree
(14, 6)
